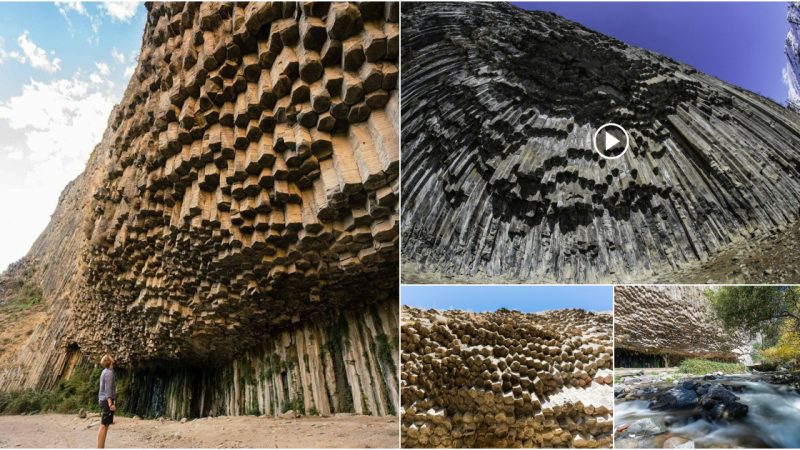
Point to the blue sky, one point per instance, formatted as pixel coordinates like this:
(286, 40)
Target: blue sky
(63, 67)
(477, 298)
(738, 42)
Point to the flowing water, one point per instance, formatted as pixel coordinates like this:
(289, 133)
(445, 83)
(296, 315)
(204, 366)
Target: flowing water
(773, 419)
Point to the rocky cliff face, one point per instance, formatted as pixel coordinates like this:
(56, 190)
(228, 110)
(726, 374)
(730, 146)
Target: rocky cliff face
(500, 178)
(673, 322)
(506, 379)
(246, 189)
(792, 50)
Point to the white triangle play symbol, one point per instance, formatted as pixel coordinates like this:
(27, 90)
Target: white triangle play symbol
(610, 140)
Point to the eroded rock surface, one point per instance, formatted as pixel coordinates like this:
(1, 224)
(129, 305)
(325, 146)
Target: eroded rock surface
(506, 379)
(246, 187)
(792, 50)
(501, 182)
(675, 322)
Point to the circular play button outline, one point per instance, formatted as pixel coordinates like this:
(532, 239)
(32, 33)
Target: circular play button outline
(627, 140)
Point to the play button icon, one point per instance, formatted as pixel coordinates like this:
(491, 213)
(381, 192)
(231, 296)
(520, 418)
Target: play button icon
(611, 141)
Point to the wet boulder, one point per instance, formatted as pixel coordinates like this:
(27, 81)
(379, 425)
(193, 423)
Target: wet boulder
(719, 403)
(717, 394)
(644, 427)
(645, 393)
(675, 398)
(727, 411)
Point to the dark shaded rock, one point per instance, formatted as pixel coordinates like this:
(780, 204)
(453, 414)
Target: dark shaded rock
(676, 398)
(646, 393)
(727, 411)
(719, 403)
(717, 394)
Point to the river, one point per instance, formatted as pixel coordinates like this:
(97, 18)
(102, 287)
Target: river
(773, 418)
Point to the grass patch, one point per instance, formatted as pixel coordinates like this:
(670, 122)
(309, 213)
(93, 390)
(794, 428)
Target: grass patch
(704, 366)
(25, 297)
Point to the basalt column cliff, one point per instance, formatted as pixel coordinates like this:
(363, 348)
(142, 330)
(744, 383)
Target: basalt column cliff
(506, 379)
(658, 326)
(501, 182)
(233, 240)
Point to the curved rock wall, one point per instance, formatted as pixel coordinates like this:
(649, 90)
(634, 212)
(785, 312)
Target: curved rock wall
(348, 364)
(254, 171)
(246, 188)
(500, 179)
(673, 321)
(506, 379)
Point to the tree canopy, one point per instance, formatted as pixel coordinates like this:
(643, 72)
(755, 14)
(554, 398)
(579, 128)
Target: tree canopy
(756, 309)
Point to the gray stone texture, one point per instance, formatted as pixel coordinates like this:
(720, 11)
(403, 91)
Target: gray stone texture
(500, 179)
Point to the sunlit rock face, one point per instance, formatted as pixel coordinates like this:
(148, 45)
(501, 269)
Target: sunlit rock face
(673, 322)
(500, 179)
(246, 189)
(792, 74)
(506, 379)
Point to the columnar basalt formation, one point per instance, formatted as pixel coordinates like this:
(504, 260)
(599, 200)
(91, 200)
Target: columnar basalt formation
(347, 365)
(500, 177)
(506, 379)
(673, 322)
(247, 187)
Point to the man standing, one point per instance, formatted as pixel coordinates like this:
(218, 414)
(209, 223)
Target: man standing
(108, 392)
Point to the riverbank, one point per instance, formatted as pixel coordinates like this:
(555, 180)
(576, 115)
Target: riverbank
(673, 410)
(70, 431)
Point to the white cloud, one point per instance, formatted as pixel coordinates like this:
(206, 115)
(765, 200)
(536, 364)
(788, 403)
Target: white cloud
(117, 55)
(55, 125)
(13, 153)
(102, 68)
(65, 7)
(9, 55)
(121, 11)
(36, 55)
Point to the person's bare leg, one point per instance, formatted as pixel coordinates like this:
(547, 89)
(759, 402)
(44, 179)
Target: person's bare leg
(101, 436)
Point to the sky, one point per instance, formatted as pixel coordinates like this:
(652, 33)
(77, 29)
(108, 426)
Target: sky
(738, 42)
(477, 298)
(63, 67)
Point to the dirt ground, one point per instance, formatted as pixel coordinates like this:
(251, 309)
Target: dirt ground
(61, 430)
(769, 259)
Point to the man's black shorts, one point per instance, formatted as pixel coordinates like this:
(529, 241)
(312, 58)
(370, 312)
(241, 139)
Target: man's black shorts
(106, 415)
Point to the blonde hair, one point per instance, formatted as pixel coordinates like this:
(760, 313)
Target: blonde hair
(106, 361)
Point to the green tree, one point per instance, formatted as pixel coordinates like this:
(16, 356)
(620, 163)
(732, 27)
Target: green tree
(756, 309)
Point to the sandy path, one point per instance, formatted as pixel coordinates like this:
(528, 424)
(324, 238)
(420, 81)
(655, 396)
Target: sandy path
(61, 430)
